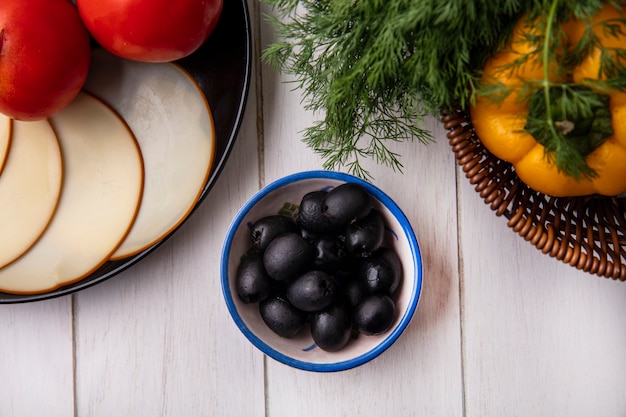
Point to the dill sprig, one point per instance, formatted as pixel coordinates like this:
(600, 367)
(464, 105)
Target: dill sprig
(374, 69)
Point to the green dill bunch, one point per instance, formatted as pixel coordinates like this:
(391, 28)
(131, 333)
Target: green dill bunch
(375, 68)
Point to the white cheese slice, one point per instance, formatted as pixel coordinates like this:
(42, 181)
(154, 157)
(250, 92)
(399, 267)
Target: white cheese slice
(171, 119)
(102, 186)
(30, 186)
(5, 138)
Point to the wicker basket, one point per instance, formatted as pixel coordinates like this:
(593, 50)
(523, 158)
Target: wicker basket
(587, 233)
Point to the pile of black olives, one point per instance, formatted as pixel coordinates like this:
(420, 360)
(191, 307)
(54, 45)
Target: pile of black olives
(327, 267)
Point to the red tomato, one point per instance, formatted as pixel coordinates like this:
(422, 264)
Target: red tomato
(150, 30)
(44, 57)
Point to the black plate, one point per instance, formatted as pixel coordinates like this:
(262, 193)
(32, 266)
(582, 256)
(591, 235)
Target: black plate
(222, 68)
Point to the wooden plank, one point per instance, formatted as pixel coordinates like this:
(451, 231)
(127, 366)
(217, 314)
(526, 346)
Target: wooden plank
(158, 339)
(36, 359)
(421, 373)
(540, 337)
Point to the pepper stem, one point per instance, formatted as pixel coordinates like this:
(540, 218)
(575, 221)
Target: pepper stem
(580, 121)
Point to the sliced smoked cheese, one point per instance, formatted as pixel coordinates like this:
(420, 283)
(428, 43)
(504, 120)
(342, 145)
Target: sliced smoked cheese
(100, 196)
(30, 186)
(171, 119)
(5, 137)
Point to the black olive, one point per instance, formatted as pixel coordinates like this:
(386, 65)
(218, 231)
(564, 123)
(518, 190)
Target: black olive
(281, 317)
(267, 228)
(287, 255)
(253, 283)
(312, 291)
(329, 252)
(380, 272)
(346, 203)
(391, 257)
(365, 235)
(350, 263)
(374, 314)
(311, 213)
(308, 235)
(353, 292)
(331, 328)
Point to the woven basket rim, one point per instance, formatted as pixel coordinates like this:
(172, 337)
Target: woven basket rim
(588, 233)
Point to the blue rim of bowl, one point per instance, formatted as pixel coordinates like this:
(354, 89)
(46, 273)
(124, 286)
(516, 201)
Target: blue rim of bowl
(389, 339)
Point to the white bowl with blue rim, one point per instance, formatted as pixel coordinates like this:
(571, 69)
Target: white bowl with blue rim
(300, 351)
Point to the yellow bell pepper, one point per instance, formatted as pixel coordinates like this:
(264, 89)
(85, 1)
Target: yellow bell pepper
(500, 124)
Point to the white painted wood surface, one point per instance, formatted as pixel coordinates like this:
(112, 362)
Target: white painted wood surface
(501, 330)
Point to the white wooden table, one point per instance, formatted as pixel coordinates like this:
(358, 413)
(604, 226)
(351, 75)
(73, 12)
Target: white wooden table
(501, 329)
